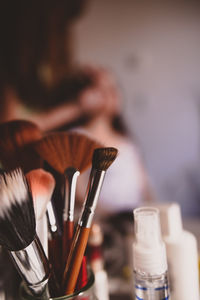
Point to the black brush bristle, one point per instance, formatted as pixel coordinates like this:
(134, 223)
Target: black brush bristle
(103, 158)
(17, 218)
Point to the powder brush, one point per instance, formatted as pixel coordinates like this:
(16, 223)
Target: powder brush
(18, 235)
(101, 161)
(15, 145)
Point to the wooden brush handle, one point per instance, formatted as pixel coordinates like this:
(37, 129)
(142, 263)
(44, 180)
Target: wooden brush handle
(75, 259)
(68, 233)
(55, 258)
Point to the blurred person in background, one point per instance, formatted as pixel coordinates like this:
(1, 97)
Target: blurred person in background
(40, 82)
(36, 61)
(127, 184)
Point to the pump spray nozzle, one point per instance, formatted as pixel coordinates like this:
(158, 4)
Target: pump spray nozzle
(148, 249)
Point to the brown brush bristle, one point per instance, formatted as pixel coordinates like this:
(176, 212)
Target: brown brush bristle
(103, 158)
(15, 145)
(67, 149)
(82, 148)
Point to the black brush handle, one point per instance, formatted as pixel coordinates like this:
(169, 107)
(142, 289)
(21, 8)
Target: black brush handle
(34, 268)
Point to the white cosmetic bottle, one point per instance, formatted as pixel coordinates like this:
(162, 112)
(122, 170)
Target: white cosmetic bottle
(182, 254)
(149, 257)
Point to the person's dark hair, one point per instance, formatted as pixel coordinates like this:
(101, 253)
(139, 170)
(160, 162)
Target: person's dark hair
(35, 42)
(119, 125)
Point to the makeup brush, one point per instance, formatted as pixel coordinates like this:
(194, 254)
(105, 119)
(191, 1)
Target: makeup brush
(71, 174)
(69, 153)
(66, 149)
(54, 241)
(18, 235)
(42, 185)
(82, 148)
(15, 150)
(101, 161)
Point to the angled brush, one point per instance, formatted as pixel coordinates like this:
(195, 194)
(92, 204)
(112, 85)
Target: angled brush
(42, 185)
(101, 161)
(18, 235)
(15, 145)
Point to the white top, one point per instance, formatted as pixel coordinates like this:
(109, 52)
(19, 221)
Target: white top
(124, 182)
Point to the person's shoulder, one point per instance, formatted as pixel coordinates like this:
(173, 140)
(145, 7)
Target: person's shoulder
(128, 146)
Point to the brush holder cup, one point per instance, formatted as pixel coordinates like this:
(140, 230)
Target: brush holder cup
(86, 293)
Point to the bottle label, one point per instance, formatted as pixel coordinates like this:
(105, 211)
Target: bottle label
(150, 293)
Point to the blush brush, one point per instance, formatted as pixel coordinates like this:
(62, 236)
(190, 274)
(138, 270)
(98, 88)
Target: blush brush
(18, 235)
(42, 185)
(101, 161)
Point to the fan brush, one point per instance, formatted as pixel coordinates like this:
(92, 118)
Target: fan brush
(66, 149)
(69, 153)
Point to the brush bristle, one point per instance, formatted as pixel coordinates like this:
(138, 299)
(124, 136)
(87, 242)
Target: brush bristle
(17, 219)
(67, 149)
(103, 158)
(82, 147)
(16, 137)
(20, 131)
(42, 184)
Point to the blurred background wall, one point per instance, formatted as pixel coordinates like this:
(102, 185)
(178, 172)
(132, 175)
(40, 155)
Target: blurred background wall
(153, 47)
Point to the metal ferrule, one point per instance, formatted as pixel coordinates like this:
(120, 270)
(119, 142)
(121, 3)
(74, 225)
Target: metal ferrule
(52, 222)
(71, 176)
(33, 266)
(93, 191)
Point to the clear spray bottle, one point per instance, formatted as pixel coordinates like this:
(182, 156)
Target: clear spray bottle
(149, 256)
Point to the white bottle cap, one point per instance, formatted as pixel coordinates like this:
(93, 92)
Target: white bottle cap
(149, 253)
(171, 220)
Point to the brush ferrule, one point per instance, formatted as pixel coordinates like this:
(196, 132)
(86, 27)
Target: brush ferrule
(71, 175)
(52, 222)
(93, 191)
(33, 266)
